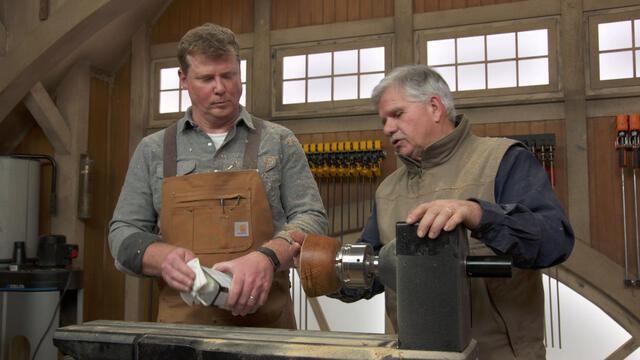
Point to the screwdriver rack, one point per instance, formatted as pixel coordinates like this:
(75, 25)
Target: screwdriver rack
(543, 146)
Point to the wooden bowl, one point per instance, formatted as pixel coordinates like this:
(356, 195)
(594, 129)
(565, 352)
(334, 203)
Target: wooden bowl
(317, 265)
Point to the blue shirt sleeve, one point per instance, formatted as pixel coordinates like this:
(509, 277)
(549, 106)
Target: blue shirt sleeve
(370, 234)
(527, 220)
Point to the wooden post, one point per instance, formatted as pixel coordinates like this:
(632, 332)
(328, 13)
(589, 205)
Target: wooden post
(73, 103)
(403, 31)
(575, 108)
(261, 105)
(134, 291)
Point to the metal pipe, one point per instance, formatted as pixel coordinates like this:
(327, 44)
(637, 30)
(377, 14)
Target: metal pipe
(53, 204)
(634, 147)
(624, 229)
(635, 210)
(333, 204)
(550, 307)
(488, 266)
(622, 141)
(341, 174)
(558, 307)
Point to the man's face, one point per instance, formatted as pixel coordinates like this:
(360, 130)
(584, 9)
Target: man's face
(214, 88)
(411, 126)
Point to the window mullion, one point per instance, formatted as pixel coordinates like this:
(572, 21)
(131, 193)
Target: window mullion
(486, 63)
(517, 60)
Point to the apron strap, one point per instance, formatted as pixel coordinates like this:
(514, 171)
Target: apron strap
(170, 156)
(250, 160)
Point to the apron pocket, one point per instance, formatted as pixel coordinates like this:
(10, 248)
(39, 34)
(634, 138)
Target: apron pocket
(181, 230)
(220, 224)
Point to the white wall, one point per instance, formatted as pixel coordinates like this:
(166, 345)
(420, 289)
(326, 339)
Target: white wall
(365, 316)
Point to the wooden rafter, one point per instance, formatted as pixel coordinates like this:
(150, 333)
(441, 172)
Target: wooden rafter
(50, 42)
(48, 116)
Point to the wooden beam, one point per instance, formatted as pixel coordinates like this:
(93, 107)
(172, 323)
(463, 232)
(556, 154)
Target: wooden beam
(591, 5)
(572, 72)
(75, 22)
(599, 279)
(403, 32)
(626, 349)
(73, 102)
(323, 324)
(135, 291)
(140, 97)
(49, 118)
(487, 14)
(330, 31)
(261, 105)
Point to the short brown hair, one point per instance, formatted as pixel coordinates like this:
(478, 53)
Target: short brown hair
(211, 40)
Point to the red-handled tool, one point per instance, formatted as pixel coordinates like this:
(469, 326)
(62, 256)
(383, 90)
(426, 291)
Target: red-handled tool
(622, 145)
(634, 143)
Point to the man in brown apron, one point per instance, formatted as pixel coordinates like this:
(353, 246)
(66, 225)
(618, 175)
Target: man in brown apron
(221, 182)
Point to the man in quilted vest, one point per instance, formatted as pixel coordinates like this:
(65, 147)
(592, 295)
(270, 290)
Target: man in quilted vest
(495, 187)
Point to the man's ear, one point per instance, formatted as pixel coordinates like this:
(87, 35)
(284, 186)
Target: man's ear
(183, 78)
(437, 107)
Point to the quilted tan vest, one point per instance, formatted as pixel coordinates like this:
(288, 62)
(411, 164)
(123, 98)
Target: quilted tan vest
(507, 314)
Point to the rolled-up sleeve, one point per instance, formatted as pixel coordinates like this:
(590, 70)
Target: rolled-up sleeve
(134, 224)
(299, 193)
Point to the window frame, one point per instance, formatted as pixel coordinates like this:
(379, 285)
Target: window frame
(551, 90)
(331, 107)
(159, 120)
(614, 86)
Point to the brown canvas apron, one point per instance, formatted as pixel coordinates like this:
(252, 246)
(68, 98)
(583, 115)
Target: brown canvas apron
(219, 216)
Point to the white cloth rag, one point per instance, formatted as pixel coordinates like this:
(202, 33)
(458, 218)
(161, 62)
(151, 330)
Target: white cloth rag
(210, 286)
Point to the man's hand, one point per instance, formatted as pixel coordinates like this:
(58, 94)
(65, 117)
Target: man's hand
(293, 252)
(252, 277)
(253, 273)
(438, 215)
(169, 262)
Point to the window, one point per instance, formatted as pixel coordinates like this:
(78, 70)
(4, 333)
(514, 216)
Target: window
(512, 58)
(619, 49)
(174, 99)
(330, 76)
(615, 49)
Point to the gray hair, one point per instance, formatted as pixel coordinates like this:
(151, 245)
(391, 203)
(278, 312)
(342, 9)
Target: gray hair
(419, 82)
(211, 40)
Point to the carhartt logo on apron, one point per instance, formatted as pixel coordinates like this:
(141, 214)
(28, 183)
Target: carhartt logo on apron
(241, 229)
